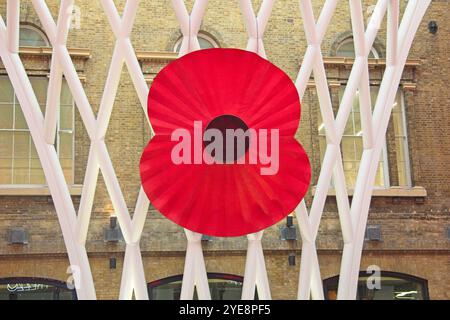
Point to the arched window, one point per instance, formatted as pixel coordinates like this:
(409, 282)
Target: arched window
(28, 288)
(222, 286)
(205, 41)
(391, 286)
(347, 49)
(30, 36)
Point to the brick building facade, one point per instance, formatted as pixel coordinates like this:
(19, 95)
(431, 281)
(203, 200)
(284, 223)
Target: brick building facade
(410, 205)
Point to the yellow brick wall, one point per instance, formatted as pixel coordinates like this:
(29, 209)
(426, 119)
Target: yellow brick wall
(414, 239)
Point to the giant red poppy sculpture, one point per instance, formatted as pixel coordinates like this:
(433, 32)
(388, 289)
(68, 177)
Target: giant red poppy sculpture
(224, 160)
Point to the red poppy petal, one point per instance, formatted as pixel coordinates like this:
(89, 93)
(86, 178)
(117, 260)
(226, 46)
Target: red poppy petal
(207, 83)
(224, 200)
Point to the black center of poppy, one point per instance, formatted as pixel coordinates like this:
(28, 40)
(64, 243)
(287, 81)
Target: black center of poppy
(233, 146)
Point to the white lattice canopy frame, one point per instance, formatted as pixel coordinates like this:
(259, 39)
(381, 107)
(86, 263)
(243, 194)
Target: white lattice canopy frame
(353, 218)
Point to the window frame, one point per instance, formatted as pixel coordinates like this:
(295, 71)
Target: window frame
(386, 176)
(406, 152)
(400, 100)
(15, 104)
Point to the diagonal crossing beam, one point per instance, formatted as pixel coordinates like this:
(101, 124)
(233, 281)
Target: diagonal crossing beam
(49, 160)
(194, 275)
(255, 274)
(256, 24)
(96, 128)
(396, 61)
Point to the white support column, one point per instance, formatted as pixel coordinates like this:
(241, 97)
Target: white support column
(55, 81)
(365, 100)
(137, 274)
(114, 190)
(99, 156)
(122, 30)
(334, 160)
(392, 32)
(189, 23)
(13, 23)
(369, 163)
(313, 43)
(133, 277)
(51, 166)
(314, 34)
(248, 287)
(104, 114)
(87, 196)
(335, 127)
(365, 103)
(127, 281)
(194, 275)
(262, 281)
(256, 25)
(255, 275)
(308, 250)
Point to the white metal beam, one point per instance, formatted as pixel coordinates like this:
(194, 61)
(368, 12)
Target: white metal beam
(255, 274)
(99, 157)
(51, 166)
(13, 21)
(351, 258)
(194, 275)
(55, 81)
(256, 25)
